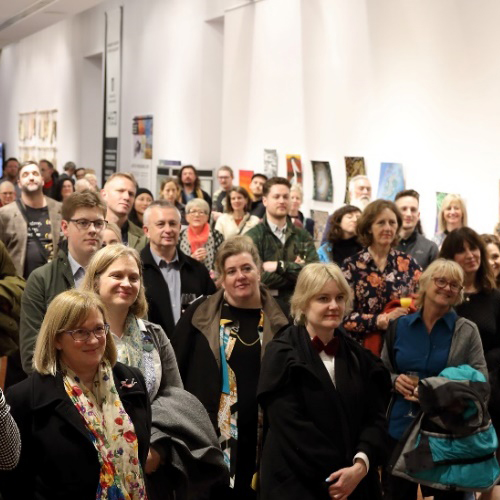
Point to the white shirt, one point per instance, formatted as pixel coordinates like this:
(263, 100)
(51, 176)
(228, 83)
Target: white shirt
(279, 232)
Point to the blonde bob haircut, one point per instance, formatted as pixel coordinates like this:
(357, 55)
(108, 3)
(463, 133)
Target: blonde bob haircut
(102, 260)
(67, 311)
(447, 201)
(236, 245)
(310, 282)
(440, 268)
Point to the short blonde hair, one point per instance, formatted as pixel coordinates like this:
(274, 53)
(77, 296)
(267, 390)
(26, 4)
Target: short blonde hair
(298, 189)
(440, 268)
(447, 201)
(235, 246)
(117, 175)
(197, 203)
(102, 260)
(310, 282)
(67, 311)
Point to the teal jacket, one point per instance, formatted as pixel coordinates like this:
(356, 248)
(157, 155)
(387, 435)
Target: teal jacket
(42, 286)
(298, 242)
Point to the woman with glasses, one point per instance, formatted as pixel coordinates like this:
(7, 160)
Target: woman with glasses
(421, 345)
(198, 240)
(115, 274)
(84, 420)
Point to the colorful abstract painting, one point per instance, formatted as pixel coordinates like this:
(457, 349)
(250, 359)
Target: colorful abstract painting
(391, 180)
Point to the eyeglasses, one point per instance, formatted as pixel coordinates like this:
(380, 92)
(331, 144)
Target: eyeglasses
(82, 335)
(84, 224)
(197, 212)
(443, 283)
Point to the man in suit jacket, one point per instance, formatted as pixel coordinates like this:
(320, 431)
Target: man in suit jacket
(119, 194)
(172, 279)
(33, 241)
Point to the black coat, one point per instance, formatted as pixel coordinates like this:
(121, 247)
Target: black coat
(195, 279)
(316, 428)
(58, 458)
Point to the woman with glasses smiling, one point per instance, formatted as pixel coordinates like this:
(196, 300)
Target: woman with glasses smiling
(84, 420)
(421, 345)
(198, 240)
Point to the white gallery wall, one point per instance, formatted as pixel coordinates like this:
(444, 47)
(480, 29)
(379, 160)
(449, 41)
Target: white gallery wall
(416, 83)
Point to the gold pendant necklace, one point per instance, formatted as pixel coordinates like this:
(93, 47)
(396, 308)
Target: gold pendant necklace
(245, 343)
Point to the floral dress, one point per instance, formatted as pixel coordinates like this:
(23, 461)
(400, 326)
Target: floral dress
(373, 288)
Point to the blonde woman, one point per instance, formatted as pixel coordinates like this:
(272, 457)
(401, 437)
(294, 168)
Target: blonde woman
(324, 397)
(453, 215)
(84, 419)
(170, 190)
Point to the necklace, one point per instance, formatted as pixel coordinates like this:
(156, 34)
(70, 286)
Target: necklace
(236, 329)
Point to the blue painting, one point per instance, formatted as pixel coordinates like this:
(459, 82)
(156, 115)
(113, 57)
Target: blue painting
(391, 180)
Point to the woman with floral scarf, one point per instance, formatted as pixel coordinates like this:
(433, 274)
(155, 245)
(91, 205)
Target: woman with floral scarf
(84, 419)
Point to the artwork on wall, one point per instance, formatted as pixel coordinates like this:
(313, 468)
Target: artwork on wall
(142, 155)
(245, 177)
(391, 180)
(270, 163)
(354, 165)
(440, 196)
(37, 131)
(320, 218)
(294, 169)
(323, 184)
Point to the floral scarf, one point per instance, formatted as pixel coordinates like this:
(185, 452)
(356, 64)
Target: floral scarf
(227, 417)
(135, 348)
(198, 240)
(112, 433)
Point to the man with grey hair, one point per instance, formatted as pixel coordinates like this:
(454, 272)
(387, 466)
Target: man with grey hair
(360, 191)
(7, 193)
(171, 278)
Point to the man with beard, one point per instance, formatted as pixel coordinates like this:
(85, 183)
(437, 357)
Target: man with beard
(360, 191)
(190, 185)
(11, 173)
(30, 227)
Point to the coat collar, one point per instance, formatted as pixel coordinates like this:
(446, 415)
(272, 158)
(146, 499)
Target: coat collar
(206, 319)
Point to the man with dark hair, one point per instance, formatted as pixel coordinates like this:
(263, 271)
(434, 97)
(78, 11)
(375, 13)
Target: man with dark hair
(413, 242)
(69, 170)
(172, 279)
(11, 173)
(83, 223)
(30, 227)
(190, 185)
(119, 194)
(225, 176)
(283, 248)
(256, 187)
(50, 176)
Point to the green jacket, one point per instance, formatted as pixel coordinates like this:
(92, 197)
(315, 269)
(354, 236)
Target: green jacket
(136, 237)
(11, 290)
(42, 286)
(298, 241)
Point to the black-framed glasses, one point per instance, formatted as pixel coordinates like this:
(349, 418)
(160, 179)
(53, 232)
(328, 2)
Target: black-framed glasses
(443, 283)
(84, 224)
(82, 334)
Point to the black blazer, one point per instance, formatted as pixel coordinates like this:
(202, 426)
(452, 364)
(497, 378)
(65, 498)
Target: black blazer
(58, 459)
(316, 428)
(195, 279)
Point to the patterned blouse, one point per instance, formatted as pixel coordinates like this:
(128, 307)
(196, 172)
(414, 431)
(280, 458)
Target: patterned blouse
(373, 288)
(212, 245)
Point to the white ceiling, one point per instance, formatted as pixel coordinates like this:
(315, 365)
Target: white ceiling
(21, 18)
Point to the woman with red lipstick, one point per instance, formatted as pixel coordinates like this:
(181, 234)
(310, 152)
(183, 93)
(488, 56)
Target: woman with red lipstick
(219, 342)
(325, 399)
(84, 419)
(378, 274)
(423, 344)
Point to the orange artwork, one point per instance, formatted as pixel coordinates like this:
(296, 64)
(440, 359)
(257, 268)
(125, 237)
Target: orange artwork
(245, 179)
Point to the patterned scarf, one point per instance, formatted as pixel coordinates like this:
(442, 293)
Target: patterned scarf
(227, 417)
(135, 348)
(112, 433)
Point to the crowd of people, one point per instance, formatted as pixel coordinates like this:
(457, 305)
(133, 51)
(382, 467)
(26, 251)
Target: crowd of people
(201, 346)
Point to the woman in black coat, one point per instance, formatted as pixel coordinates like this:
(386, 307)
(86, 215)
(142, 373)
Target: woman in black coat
(63, 455)
(324, 397)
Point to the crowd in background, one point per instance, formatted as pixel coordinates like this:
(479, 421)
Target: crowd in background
(202, 346)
